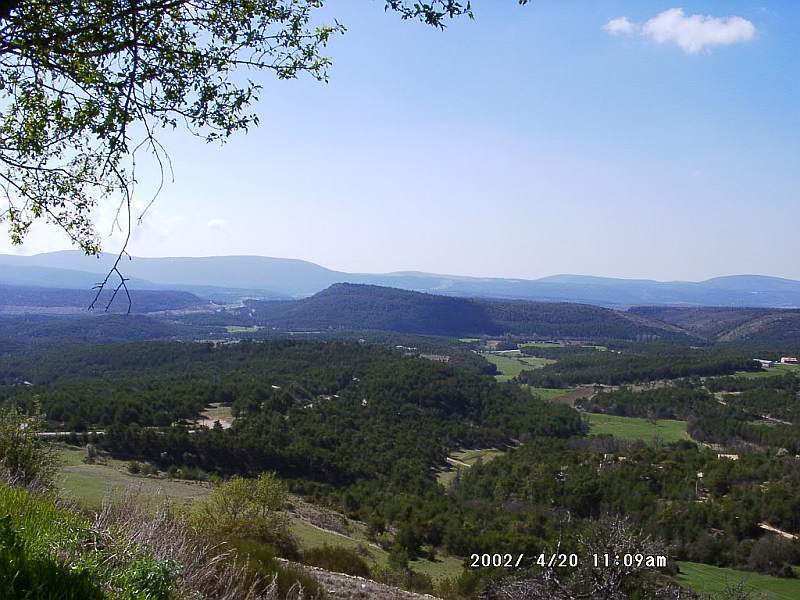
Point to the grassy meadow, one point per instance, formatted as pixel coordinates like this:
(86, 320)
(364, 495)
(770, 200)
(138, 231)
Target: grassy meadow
(511, 364)
(706, 579)
(547, 393)
(775, 371)
(89, 484)
(634, 428)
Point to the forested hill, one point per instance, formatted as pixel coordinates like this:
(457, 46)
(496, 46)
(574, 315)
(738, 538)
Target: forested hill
(31, 299)
(351, 306)
(729, 324)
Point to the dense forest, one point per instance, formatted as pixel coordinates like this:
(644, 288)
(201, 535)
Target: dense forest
(734, 411)
(142, 301)
(712, 519)
(633, 363)
(366, 429)
(350, 306)
(362, 427)
(42, 331)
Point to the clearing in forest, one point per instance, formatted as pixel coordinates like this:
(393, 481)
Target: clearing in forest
(635, 428)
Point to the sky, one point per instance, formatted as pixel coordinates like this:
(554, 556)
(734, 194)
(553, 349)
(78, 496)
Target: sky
(626, 138)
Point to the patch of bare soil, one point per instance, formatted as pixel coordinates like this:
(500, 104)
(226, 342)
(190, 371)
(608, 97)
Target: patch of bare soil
(350, 587)
(580, 393)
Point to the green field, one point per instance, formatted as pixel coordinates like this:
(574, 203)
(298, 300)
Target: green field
(541, 345)
(91, 484)
(775, 371)
(511, 364)
(240, 329)
(706, 579)
(634, 428)
(547, 393)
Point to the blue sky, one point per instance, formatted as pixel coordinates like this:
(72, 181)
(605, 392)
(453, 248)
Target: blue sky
(531, 141)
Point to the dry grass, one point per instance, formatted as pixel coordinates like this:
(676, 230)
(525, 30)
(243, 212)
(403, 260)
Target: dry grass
(208, 569)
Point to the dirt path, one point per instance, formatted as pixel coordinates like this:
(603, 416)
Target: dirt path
(350, 587)
(780, 532)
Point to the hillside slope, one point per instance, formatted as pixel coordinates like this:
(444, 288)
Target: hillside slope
(29, 299)
(729, 324)
(353, 306)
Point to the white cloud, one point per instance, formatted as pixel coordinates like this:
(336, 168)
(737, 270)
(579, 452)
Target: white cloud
(217, 224)
(693, 33)
(620, 26)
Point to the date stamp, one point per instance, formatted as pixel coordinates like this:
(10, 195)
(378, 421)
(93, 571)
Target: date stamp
(572, 560)
(515, 561)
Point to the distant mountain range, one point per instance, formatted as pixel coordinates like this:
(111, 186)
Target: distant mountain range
(232, 278)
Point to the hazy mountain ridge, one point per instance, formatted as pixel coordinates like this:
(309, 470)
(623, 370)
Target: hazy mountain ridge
(236, 277)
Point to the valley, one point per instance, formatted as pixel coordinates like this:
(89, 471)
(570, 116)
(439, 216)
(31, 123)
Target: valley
(413, 431)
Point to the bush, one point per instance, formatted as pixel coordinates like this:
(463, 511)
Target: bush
(148, 469)
(773, 555)
(246, 508)
(150, 579)
(48, 553)
(338, 560)
(134, 468)
(24, 459)
(405, 579)
(466, 585)
(261, 560)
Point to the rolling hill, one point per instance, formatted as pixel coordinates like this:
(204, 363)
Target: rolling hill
(729, 324)
(55, 301)
(357, 306)
(237, 277)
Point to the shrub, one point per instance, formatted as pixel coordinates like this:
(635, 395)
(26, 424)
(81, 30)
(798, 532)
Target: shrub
(146, 578)
(406, 579)
(246, 508)
(337, 559)
(773, 555)
(134, 468)
(148, 469)
(289, 581)
(48, 553)
(24, 459)
(199, 568)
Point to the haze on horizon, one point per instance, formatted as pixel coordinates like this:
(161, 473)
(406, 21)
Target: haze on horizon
(620, 139)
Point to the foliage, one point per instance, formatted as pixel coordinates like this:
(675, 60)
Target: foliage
(714, 518)
(49, 552)
(241, 508)
(25, 575)
(337, 559)
(774, 555)
(617, 581)
(287, 579)
(636, 363)
(24, 459)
